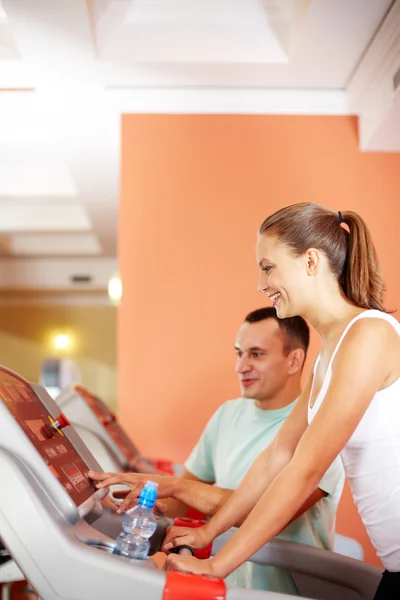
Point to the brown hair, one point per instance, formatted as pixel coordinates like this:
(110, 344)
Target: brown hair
(351, 254)
(296, 333)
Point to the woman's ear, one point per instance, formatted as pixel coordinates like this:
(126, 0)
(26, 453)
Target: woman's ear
(312, 261)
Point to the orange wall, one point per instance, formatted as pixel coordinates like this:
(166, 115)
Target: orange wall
(193, 191)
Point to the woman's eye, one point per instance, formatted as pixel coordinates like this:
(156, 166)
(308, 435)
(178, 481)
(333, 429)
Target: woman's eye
(267, 269)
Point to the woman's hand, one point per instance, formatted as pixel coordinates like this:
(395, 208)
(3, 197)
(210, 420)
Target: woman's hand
(135, 482)
(188, 563)
(185, 536)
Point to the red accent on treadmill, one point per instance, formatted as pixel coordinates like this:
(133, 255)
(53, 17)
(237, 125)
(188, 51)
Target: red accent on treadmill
(62, 421)
(180, 585)
(165, 466)
(185, 522)
(107, 420)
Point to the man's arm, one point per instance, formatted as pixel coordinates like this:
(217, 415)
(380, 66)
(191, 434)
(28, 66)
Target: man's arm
(191, 492)
(175, 507)
(185, 491)
(182, 493)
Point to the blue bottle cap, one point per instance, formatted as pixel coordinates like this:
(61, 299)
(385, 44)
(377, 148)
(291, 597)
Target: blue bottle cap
(148, 495)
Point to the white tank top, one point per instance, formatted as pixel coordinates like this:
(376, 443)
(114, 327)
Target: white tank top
(371, 459)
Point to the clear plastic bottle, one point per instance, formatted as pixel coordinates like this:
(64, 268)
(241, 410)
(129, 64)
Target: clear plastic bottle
(138, 525)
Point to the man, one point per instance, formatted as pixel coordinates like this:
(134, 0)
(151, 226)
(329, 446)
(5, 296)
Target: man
(270, 357)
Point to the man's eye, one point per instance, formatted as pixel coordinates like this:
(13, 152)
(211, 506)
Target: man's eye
(266, 269)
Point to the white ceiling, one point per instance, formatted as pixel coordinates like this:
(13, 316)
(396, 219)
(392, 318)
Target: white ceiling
(69, 68)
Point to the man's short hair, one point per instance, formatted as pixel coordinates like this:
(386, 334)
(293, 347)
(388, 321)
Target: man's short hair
(295, 329)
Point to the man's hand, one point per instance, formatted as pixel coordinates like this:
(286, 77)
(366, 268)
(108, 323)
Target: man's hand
(109, 502)
(160, 507)
(185, 536)
(188, 563)
(136, 482)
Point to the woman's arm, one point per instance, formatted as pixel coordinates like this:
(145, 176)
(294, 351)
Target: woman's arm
(359, 370)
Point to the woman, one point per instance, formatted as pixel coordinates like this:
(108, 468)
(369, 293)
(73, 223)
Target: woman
(323, 266)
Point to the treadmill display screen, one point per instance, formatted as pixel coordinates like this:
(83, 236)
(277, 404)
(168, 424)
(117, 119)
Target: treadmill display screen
(56, 450)
(108, 420)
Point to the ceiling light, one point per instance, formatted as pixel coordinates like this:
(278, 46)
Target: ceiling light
(115, 289)
(62, 341)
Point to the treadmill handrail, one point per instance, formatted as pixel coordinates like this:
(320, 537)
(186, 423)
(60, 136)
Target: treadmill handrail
(309, 560)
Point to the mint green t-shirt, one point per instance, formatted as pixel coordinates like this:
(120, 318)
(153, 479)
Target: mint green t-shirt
(234, 436)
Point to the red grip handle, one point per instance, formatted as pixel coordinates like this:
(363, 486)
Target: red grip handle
(201, 553)
(192, 513)
(187, 586)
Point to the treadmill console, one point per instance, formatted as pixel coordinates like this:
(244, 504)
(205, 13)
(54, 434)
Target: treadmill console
(46, 434)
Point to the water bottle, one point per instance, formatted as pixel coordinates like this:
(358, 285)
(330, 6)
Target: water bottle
(138, 525)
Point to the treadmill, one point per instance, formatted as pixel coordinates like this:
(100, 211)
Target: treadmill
(49, 506)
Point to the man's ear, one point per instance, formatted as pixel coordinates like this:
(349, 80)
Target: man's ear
(296, 361)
